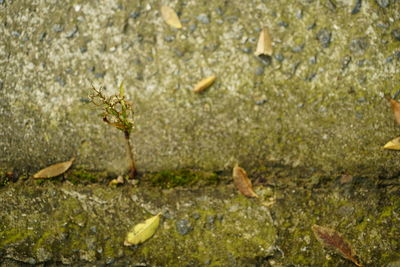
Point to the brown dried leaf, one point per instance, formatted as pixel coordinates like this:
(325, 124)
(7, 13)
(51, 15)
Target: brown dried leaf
(204, 84)
(170, 17)
(346, 178)
(264, 45)
(242, 182)
(395, 108)
(333, 240)
(54, 170)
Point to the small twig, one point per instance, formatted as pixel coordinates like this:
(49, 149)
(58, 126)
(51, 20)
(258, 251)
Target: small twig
(132, 173)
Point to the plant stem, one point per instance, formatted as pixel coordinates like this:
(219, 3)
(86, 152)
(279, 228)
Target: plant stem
(132, 169)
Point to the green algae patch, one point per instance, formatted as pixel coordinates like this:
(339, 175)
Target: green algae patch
(183, 177)
(14, 235)
(73, 224)
(211, 228)
(7, 177)
(4, 179)
(81, 176)
(362, 214)
(76, 224)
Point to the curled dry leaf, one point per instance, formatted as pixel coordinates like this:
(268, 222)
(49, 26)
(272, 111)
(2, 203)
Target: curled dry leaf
(242, 182)
(170, 17)
(346, 178)
(119, 180)
(54, 170)
(264, 45)
(393, 144)
(333, 240)
(395, 108)
(142, 231)
(204, 84)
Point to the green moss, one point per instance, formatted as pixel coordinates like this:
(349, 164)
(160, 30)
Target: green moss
(387, 212)
(43, 241)
(109, 249)
(80, 176)
(184, 177)
(7, 176)
(13, 235)
(3, 179)
(57, 179)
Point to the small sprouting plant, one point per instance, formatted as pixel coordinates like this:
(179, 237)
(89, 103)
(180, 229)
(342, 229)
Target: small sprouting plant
(117, 112)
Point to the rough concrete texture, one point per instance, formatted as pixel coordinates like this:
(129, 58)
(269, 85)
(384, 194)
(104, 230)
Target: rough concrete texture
(58, 223)
(318, 102)
(73, 224)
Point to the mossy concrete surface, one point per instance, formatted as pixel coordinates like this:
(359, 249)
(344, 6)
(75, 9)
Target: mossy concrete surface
(80, 225)
(58, 223)
(316, 103)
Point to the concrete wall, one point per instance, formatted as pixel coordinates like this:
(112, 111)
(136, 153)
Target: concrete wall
(318, 102)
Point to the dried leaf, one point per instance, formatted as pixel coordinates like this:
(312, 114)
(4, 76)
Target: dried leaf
(333, 240)
(119, 180)
(142, 231)
(242, 182)
(264, 45)
(204, 84)
(396, 109)
(346, 178)
(54, 170)
(393, 144)
(170, 17)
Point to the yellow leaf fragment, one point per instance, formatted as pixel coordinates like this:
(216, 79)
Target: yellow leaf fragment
(396, 109)
(119, 180)
(204, 84)
(242, 182)
(393, 144)
(264, 45)
(142, 231)
(170, 17)
(54, 170)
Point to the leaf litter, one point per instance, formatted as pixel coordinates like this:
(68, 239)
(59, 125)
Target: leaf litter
(395, 105)
(117, 181)
(170, 17)
(204, 84)
(393, 144)
(242, 182)
(54, 170)
(264, 45)
(142, 231)
(330, 238)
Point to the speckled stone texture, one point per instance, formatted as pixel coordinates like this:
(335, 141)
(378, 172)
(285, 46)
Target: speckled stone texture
(77, 225)
(316, 103)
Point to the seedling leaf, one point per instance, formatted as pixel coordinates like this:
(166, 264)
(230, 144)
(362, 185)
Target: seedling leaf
(170, 17)
(242, 182)
(54, 170)
(142, 231)
(333, 240)
(204, 84)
